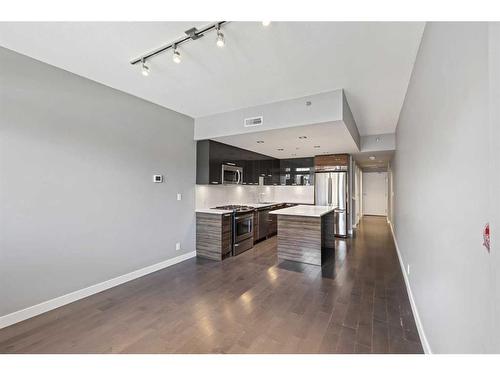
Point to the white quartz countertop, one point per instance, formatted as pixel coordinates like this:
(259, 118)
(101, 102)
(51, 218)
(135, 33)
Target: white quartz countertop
(213, 211)
(303, 210)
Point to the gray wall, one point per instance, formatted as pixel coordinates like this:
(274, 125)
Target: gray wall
(77, 201)
(494, 140)
(349, 122)
(441, 185)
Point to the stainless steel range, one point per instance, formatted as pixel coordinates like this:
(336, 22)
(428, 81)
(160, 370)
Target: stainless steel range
(242, 227)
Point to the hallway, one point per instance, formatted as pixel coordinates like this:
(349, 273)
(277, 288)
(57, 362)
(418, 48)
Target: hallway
(251, 303)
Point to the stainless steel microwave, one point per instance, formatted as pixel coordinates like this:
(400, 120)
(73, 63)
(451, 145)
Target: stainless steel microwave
(232, 174)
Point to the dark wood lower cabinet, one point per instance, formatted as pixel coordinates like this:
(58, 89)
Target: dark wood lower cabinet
(214, 232)
(265, 225)
(272, 226)
(213, 235)
(256, 226)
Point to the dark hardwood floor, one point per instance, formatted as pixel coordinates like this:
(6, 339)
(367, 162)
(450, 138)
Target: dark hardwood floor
(247, 304)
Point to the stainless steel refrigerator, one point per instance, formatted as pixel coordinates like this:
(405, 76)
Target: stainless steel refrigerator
(331, 189)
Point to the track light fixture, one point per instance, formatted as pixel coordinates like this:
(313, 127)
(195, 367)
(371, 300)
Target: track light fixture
(176, 56)
(220, 38)
(144, 68)
(191, 34)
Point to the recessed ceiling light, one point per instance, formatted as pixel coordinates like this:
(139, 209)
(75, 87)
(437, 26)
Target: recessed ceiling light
(371, 157)
(260, 141)
(302, 137)
(317, 146)
(280, 149)
(266, 23)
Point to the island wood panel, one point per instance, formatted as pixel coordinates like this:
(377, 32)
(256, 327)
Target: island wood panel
(213, 235)
(299, 239)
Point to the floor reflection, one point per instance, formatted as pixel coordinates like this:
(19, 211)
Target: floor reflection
(293, 266)
(331, 263)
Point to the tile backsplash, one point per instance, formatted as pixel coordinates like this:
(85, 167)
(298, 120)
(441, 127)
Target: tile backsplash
(208, 196)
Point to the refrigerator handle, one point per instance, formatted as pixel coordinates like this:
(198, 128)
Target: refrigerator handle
(329, 190)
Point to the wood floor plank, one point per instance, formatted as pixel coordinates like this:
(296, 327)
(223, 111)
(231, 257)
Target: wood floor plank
(252, 303)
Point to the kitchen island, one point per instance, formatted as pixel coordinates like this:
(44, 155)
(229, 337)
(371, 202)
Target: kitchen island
(305, 233)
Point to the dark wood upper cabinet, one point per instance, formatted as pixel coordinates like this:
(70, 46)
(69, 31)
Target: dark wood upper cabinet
(297, 171)
(211, 155)
(251, 172)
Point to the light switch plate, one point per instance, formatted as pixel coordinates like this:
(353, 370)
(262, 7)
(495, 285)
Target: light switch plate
(179, 196)
(158, 178)
(178, 246)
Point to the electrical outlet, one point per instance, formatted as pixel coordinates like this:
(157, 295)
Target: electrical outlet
(408, 269)
(179, 196)
(178, 246)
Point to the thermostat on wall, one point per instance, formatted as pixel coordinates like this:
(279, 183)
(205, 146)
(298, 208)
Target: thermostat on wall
(158, 178)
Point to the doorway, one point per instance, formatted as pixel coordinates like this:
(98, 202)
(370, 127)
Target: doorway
(375, 193)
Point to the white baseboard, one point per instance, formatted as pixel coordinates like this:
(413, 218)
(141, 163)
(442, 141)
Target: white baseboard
(54, 303)
(418, 322)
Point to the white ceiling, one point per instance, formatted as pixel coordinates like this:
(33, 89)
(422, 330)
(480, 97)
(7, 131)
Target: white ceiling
(331, 137)
(371, 61)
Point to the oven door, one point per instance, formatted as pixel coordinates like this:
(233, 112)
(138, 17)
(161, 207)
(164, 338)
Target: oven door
(243, 227)
(232, 174)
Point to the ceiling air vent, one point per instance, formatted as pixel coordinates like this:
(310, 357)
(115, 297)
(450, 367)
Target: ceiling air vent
(253, 121)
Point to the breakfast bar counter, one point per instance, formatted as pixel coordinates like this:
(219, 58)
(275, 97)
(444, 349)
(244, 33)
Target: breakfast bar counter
(305, 233)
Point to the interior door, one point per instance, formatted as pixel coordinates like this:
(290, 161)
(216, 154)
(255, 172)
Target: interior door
(375, 193)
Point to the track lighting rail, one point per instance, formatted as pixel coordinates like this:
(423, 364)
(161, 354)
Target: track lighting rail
(191, 34)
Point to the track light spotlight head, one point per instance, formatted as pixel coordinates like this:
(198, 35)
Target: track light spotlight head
(176, 56)
(220, 38)
(144, 69)
(266, 23)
